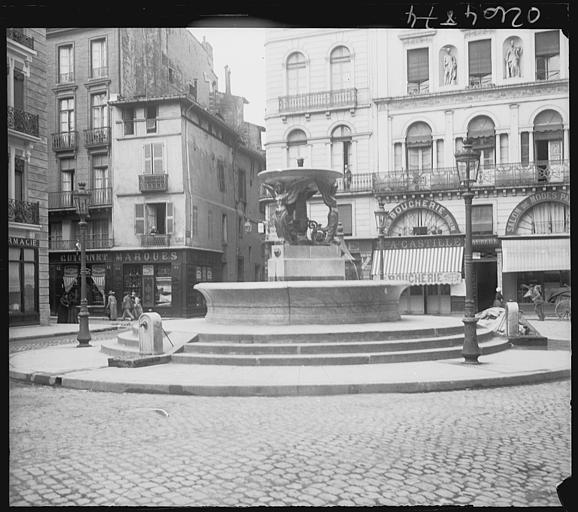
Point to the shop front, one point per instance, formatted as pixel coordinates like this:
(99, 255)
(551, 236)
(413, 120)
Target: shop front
(432, 265)
(23, 305)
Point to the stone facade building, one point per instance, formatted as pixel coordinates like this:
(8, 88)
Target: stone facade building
(137, 115)
(389, 108)
(27, 181)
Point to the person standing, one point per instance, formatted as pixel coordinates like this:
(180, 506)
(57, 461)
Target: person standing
(127, 307)
(63, 305)
(538, 301)
(111, 306)
(137, 307)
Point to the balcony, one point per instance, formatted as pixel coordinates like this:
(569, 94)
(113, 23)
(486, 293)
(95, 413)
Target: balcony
(153, 182)
(97, 137)
(92, 242)
(101, 197)
(155, 240)
(18, 35)
(23, 122)
(64, 141)
(65, 200)
(23, 212)
(324, 100)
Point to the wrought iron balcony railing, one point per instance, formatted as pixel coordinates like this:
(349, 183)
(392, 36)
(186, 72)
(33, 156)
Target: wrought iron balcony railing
(24, 212)
(97, 137)
(318, 100)
(99, 72)
(153, 182)
(445, 178)
(92, 242)
(65, 200)
(101, 197)
(155, 240)
(23, 121)
(19, 36)
(66, 78)
(64, 141)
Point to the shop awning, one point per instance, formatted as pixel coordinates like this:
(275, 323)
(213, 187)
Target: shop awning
(530, 255)
(434, 265)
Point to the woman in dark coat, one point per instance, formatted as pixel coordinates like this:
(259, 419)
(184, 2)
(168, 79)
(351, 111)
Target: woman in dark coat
(63, 305)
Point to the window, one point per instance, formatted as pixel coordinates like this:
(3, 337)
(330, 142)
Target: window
(67, 166)
(296, 73)
(210, 225)
(100, 172)
(195, 221)
(525, 148)
(418, 71)
(19, 189)
(419, 146)
(154, 219)
(66, 115)
(128, 117)
(98, 232)
(345, 218)
(482, 218)
(482, 133)
(480, 63)
(55, 234)
(98, 110)
(151, 118)
(296, 146)
(224, 230)
(547, 55)
(153, 158)
(65, 64)
(504, 148)
(22, 276)
(18, 89)
(221, 175)
(340, 62)
(340, 148)
(242, 185)
(98, 61)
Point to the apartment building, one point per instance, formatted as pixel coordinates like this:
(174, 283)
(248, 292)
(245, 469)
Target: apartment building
(27, 183)
(390, 107)
(132, 111)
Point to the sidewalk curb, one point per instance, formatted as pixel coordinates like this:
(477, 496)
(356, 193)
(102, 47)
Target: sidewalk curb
(71, 333)
(290, 390)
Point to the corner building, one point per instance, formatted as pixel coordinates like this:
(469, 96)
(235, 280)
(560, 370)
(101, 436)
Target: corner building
(393, 106)
(137, 115)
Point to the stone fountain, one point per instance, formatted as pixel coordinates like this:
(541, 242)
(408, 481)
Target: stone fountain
(306, 270)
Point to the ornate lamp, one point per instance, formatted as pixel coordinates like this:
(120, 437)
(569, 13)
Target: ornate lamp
(467, 166)
(81, 201)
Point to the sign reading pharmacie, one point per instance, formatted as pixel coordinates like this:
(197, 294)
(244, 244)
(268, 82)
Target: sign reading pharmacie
(17, 241)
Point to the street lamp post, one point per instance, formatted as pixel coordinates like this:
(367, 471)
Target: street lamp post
(380, 220)
(81, 199)
(467, 165)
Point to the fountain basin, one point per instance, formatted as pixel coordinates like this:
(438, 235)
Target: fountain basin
(302, 302)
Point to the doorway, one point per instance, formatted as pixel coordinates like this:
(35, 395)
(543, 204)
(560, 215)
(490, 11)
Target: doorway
(485, 284)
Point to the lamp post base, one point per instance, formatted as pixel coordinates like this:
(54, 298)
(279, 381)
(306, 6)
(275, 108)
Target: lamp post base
(84, 336)
(471, 350)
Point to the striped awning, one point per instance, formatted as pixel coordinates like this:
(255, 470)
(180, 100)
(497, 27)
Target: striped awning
(434, 265)
(531, 255)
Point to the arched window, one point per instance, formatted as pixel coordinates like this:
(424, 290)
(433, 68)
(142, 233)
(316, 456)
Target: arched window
(296, 147)
(341, 148)
(419, 221)
(296, 73)
(419, 146)
(340, 61)
(548, 140)
(482, 134)
(548, 217)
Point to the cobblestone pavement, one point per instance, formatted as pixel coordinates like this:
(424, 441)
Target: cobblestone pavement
(498, 447)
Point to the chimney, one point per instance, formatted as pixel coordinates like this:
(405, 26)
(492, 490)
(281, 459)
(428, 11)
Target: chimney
(227, 80)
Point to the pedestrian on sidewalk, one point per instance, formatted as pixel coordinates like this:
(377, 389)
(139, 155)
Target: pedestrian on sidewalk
(538, 301)
(127, 307)
(111, 306)
(63, 305)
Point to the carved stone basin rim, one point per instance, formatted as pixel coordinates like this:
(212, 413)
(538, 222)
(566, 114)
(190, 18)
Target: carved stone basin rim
(291, 175)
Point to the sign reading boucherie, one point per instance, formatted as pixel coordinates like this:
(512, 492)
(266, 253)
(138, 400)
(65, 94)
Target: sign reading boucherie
(423, 242)
(426, 277)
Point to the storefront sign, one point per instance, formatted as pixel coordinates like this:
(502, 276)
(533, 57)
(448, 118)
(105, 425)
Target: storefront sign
(423, 242)
(91, 257)
(427, 204)
(16, 241)
(417, 278)
(145, 256)
(541, 197)
(148, 270)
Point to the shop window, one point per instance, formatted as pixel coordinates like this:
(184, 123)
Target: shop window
(482, 218)
(163, 285)
(345, 217)
(22, 280)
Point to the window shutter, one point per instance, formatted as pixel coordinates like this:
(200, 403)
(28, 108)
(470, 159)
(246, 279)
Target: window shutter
(418, 65)
(170, 219)
(158, 167)
(148, 166)
(480, 57)
(139, 219)
(547, 43)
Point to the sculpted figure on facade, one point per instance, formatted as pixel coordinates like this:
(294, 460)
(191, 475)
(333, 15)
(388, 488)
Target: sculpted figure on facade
(450, 68)
(512, 58)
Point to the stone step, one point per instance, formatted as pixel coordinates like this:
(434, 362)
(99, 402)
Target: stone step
(344, 334)
(328, 348)
(486, 347)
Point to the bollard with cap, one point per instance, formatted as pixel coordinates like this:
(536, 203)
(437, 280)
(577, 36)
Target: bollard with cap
(512, 319)
(150, 334)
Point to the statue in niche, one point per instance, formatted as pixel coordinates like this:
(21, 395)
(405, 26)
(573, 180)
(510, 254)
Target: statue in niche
(450, 68)
(513, 60)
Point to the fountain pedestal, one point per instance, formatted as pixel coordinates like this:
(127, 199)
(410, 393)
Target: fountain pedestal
(305, 263)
